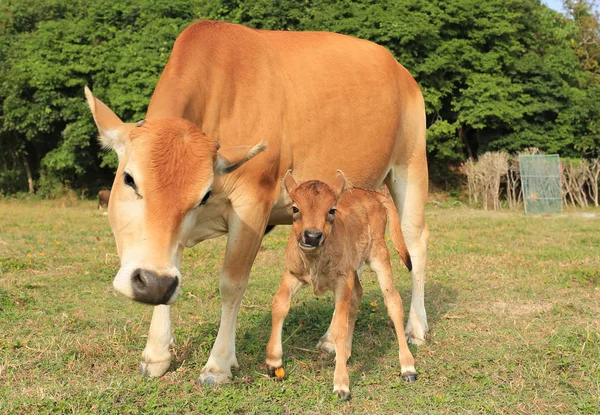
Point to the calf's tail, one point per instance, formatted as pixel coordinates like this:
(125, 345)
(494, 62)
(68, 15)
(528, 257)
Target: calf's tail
(395, 229)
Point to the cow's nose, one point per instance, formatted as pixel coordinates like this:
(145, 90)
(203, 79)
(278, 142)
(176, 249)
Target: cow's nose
(312, 237)
(150, 288)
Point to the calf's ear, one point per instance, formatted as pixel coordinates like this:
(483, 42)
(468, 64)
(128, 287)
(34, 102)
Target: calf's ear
(289, 183)
(230, 158)
(113, 131)
(338, 184)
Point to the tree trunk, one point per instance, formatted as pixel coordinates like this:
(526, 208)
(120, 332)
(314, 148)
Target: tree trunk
(463, 137)
(28, 173)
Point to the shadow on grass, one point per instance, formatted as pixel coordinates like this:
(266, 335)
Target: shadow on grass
(307, 321)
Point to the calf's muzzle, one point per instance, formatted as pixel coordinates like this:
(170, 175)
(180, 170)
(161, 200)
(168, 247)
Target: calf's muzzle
(312, 238)
(150, 288)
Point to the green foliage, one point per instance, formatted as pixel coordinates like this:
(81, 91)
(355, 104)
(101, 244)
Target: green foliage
(54, 49)
(496, 75)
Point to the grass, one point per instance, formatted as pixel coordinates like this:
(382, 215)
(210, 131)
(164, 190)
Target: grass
(513, 304)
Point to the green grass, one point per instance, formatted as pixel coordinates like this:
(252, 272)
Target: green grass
(513, 304)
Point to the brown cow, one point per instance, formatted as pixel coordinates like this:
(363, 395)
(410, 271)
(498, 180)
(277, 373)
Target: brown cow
(334, 234)
(103, 198)
(314, 99)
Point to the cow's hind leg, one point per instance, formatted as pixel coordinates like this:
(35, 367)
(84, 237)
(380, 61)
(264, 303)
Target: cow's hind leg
(156, 357)
(408, 187)
(246, 229)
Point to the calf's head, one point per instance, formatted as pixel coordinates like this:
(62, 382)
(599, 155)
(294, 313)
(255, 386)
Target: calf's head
(313, 209)
(164, 179)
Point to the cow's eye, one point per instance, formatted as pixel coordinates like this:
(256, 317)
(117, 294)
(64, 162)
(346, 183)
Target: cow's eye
(129, 181)
(205, 198)
(295, 210)
(332, 211)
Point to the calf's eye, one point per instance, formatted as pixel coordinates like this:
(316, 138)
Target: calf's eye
(295, 209)
(332, 212)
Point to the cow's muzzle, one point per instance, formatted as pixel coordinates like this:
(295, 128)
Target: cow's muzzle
(150, 288)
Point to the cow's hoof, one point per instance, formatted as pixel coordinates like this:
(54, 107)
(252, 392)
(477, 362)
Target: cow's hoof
(277, 373)
(344, 395)
(417, 341)
(409, 377)
(154, 369)
(415, 334)
(326, 345)
(209, 379)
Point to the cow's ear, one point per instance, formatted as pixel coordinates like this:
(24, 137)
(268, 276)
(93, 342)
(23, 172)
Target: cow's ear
(230, 158)
(338, 184)
(289, 182)
(113, 131)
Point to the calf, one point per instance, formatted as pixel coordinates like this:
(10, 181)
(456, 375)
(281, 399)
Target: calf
(103, 198)
(334, 233)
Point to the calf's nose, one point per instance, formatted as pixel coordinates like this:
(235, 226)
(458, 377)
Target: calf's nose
(150, 288)
(312, 237)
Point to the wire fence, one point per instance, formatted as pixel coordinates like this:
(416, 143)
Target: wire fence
(541, 183)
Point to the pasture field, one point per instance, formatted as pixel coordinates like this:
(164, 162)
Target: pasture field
(513, 304)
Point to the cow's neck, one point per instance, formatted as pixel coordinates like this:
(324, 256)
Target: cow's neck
(171, 101)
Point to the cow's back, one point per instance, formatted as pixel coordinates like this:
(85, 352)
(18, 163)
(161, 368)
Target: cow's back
(346, 98)
(321, 101)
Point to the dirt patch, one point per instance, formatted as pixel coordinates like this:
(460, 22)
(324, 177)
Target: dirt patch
(586, 215)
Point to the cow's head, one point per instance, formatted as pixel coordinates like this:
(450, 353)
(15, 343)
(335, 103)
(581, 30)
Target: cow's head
(313, 209)
(165, 175)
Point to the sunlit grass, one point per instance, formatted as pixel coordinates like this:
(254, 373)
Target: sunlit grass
(513, 304)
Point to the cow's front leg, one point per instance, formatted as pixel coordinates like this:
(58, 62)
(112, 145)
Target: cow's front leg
(246, 229)
(156, 357)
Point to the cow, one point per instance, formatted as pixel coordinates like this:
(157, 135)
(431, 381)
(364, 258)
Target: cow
(103, 199)
(233, 110)
(335, 232)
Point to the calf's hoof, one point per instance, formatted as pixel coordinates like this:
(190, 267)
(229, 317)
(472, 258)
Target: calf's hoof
(409, 377)
(210, 378)
(154, 369)
(277, 373)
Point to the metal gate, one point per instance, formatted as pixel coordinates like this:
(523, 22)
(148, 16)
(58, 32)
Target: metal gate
(540, 178)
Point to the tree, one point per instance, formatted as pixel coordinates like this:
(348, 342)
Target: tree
(495, 75)
(587, 40)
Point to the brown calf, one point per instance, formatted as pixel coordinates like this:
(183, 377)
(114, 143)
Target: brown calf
(103, 198)
(334, 233)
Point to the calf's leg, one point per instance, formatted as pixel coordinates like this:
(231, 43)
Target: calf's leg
(380, 263)
(326, 343)
(355, 303)
(339, 333)
(279, 310)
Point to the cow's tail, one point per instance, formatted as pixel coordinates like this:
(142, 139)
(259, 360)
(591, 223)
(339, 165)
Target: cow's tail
(395, 229)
